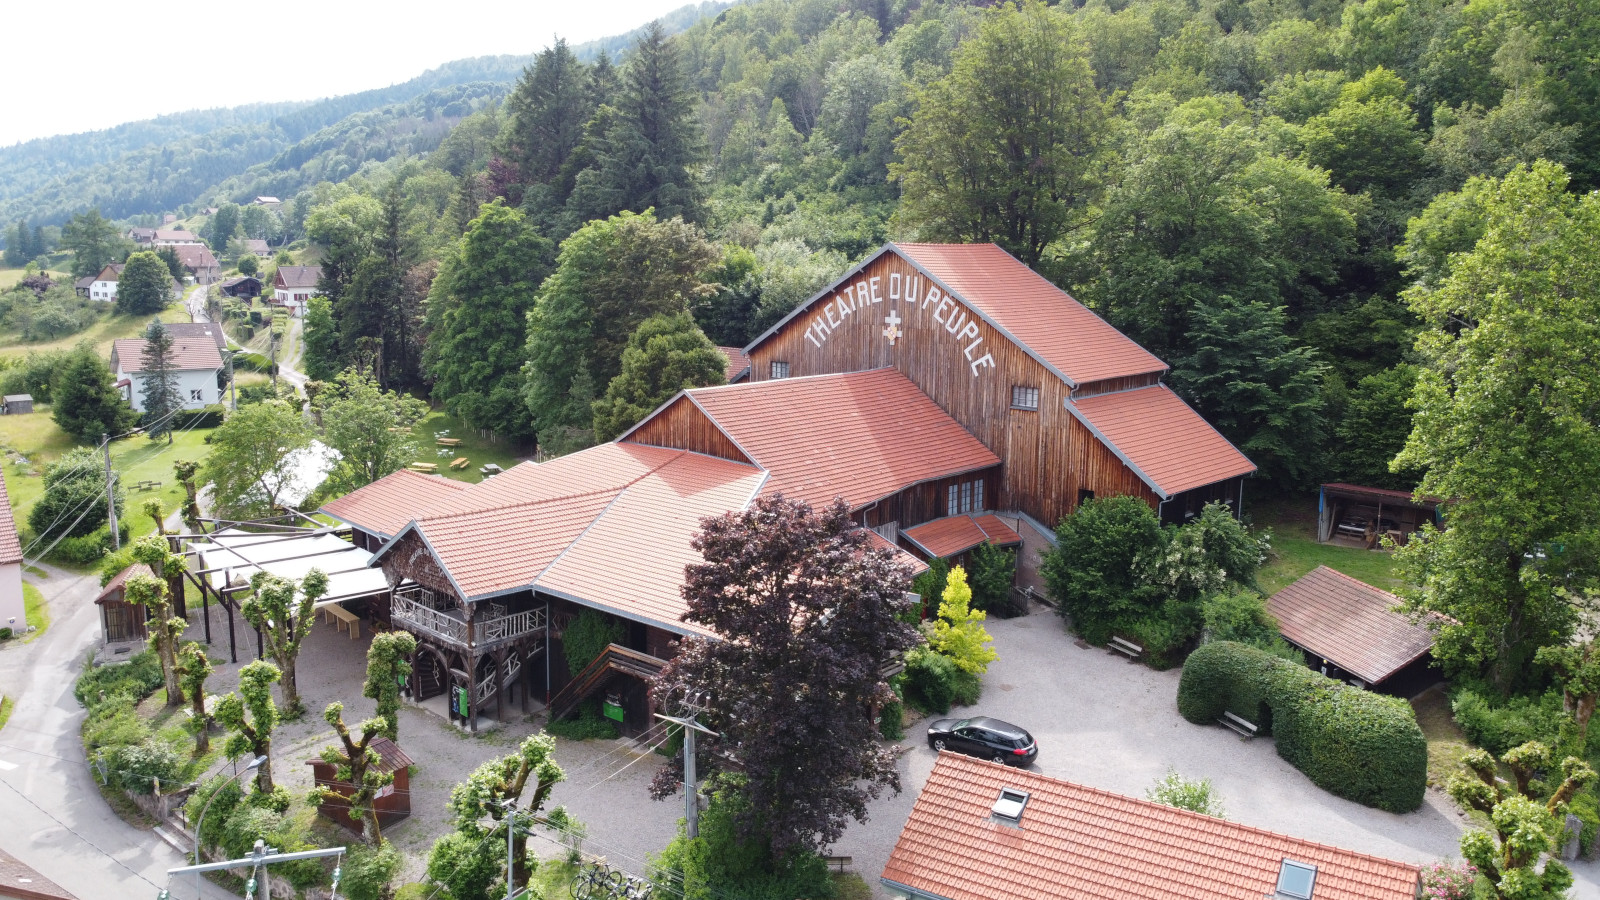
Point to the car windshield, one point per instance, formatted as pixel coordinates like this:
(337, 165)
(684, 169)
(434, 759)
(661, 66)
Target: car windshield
(960, 725)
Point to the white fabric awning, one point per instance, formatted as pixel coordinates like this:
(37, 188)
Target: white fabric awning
(237, 555)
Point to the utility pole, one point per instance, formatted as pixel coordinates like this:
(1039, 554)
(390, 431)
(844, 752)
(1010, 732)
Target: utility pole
(511, 833)
(260, 856)
(111, 493)
(691, 786)
(233, 396)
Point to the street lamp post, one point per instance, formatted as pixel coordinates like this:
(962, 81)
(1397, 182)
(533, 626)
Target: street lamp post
(254, 764)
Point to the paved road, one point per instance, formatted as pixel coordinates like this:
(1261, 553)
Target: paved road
(54, 819)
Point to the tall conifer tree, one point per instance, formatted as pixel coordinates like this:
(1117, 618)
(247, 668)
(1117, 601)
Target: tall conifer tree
(160, 388)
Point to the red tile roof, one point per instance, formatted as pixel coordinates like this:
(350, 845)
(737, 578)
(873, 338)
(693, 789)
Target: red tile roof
(115, 584)
(195, 256)
(388, 504)
(18, 879)
(951, 535)
(173, 234)
(10, 545)
(1083, 843)
(1062, 332)
(1162, 438)
(861, 435)
(1350, 623)
(737, 361)
(879, 542)
(189, 352)
(297, 276)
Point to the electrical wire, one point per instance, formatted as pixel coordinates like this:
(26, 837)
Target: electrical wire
(80, 837)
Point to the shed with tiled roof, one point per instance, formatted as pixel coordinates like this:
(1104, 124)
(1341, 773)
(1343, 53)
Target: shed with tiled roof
(1049, 839)
(1351, 625)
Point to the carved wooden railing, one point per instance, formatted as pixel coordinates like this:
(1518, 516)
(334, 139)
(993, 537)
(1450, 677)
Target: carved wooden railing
(419, 615)
(408, 612)
(504, 628)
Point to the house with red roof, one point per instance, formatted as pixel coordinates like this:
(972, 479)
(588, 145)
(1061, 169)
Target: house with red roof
(947, 395)
(13, 609)
(293, 287)
(985, 831)
(196, 362)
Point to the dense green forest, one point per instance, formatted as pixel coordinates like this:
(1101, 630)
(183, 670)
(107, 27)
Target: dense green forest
(1244, 187)
(204, 157)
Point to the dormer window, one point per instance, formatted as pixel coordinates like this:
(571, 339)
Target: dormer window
(1025, 398)
(780, 369)
(1296, 880)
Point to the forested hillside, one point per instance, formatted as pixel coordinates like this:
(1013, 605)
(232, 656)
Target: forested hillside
(1245, 188)
(202, 157)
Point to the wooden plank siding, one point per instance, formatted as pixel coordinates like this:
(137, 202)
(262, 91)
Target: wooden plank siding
(925, 502)
(683, 426)
(968, 368)
(1112, 385)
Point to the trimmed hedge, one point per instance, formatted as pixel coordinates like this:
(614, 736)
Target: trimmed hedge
(1352, 743)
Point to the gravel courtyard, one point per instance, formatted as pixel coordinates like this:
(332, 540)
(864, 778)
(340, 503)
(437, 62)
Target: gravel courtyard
(1099, 719)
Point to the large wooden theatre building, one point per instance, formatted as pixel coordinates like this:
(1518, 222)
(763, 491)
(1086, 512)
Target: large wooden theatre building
(949, 395)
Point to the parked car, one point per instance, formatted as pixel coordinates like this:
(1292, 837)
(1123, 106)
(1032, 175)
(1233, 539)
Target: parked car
(985, 738)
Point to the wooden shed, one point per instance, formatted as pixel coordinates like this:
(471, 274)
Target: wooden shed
(18, 403)
(393, 802)
(1357, 515)
(119, 619)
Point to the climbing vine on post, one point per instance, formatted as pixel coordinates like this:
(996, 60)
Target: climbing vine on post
(1525, 829)
(388, 661)
(193, 670)
(356, 764)
(151, 592)
(282, 610)
(251, 716)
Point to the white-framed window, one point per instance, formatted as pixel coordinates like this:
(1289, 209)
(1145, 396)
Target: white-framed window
(197, 395)
(1024, 397)
(964, 498)
(780, 369)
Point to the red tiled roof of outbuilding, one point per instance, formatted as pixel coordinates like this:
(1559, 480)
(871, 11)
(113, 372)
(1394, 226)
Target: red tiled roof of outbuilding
(1164, 439)
(950, 535)
(1083, 843)
(10, 544)
(1350, 623)
(1064, 333)
(858, 435)
(388, 504)
(737, 362)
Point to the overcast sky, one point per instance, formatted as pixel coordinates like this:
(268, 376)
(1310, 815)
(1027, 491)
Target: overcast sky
(81, 65)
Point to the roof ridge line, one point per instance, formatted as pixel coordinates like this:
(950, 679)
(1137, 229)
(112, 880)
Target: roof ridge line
(600, 515)
(519, 504)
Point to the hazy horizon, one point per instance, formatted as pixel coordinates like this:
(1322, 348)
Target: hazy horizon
(218, 70)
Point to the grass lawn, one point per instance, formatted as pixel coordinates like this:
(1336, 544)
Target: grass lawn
(107, 329)
(438, 424)
(36, 611)
(1295, 550)
(10, 276)
(6, 706)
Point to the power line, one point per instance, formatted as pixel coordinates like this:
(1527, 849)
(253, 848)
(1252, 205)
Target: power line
(79, 836)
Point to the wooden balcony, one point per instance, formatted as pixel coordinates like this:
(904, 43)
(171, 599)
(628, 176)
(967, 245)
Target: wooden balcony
(411, 610)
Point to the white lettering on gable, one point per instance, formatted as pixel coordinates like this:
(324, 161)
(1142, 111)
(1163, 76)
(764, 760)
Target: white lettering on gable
(946, 309)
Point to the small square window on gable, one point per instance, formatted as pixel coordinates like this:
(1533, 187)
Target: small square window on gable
(780, 369)
(1296, 880)
(1024, 397)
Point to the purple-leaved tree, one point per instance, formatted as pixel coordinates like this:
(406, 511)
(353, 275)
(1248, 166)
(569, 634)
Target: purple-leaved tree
(806, 612)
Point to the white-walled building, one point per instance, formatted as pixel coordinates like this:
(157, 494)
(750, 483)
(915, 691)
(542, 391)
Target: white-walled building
(293, 286)
(198, 260)
(166, 237)
(13, 611)
(195, 360)
(104, 286)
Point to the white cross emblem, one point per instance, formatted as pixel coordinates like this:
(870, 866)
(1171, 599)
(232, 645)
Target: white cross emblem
(893, 331)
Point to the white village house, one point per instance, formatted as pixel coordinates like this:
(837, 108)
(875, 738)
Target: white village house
(172, 237)
(104, 285)
(13, 609)
(293, 286)
(195, 361)
(199, 262)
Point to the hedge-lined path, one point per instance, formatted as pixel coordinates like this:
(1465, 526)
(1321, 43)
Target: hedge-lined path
(1108, 723)
(67, 832)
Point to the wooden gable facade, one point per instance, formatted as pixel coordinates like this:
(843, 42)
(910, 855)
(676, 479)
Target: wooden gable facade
(891, 312)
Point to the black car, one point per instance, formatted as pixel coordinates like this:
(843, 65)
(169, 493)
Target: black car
(985, 738)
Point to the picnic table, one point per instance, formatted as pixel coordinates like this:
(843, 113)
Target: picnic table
(147, 485)
(424, 467)
(488, 469)
(449, 442)
(460, 462)
(343, 620)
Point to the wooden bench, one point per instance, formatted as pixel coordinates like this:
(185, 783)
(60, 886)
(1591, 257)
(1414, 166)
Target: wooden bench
(1244, 727)
(147, 485)
(1126, 648)
(838, 863)
(429, 468)
(344, 620)
(449, 442)
(460, 462)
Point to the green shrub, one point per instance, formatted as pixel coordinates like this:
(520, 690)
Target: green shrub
(587, 635)
(114, 723)
(1166, 636)
(246, 361)
(1356, 744)
(1091, 571)
(5, 634)
(1511, 723)
(929, 588)
(138, 767)
(368, 871)
(1239, 616)
(204, 417)
(89, 550)
(585, 724)
(137, 678)
(933, 682)
(223, 793)
(993, 570)
(731, 860)
(1195, 795)
(892, 721)
(246, 824)
(1586, 806)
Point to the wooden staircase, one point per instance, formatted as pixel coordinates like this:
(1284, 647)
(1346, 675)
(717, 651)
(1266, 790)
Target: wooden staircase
(612, 660)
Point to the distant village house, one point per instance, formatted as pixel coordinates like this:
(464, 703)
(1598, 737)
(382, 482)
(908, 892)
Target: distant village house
(258, 248)
(174, 238)
(103, 287)
(196, 362)
(13, 609)
(294, 286)
(199, 262)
